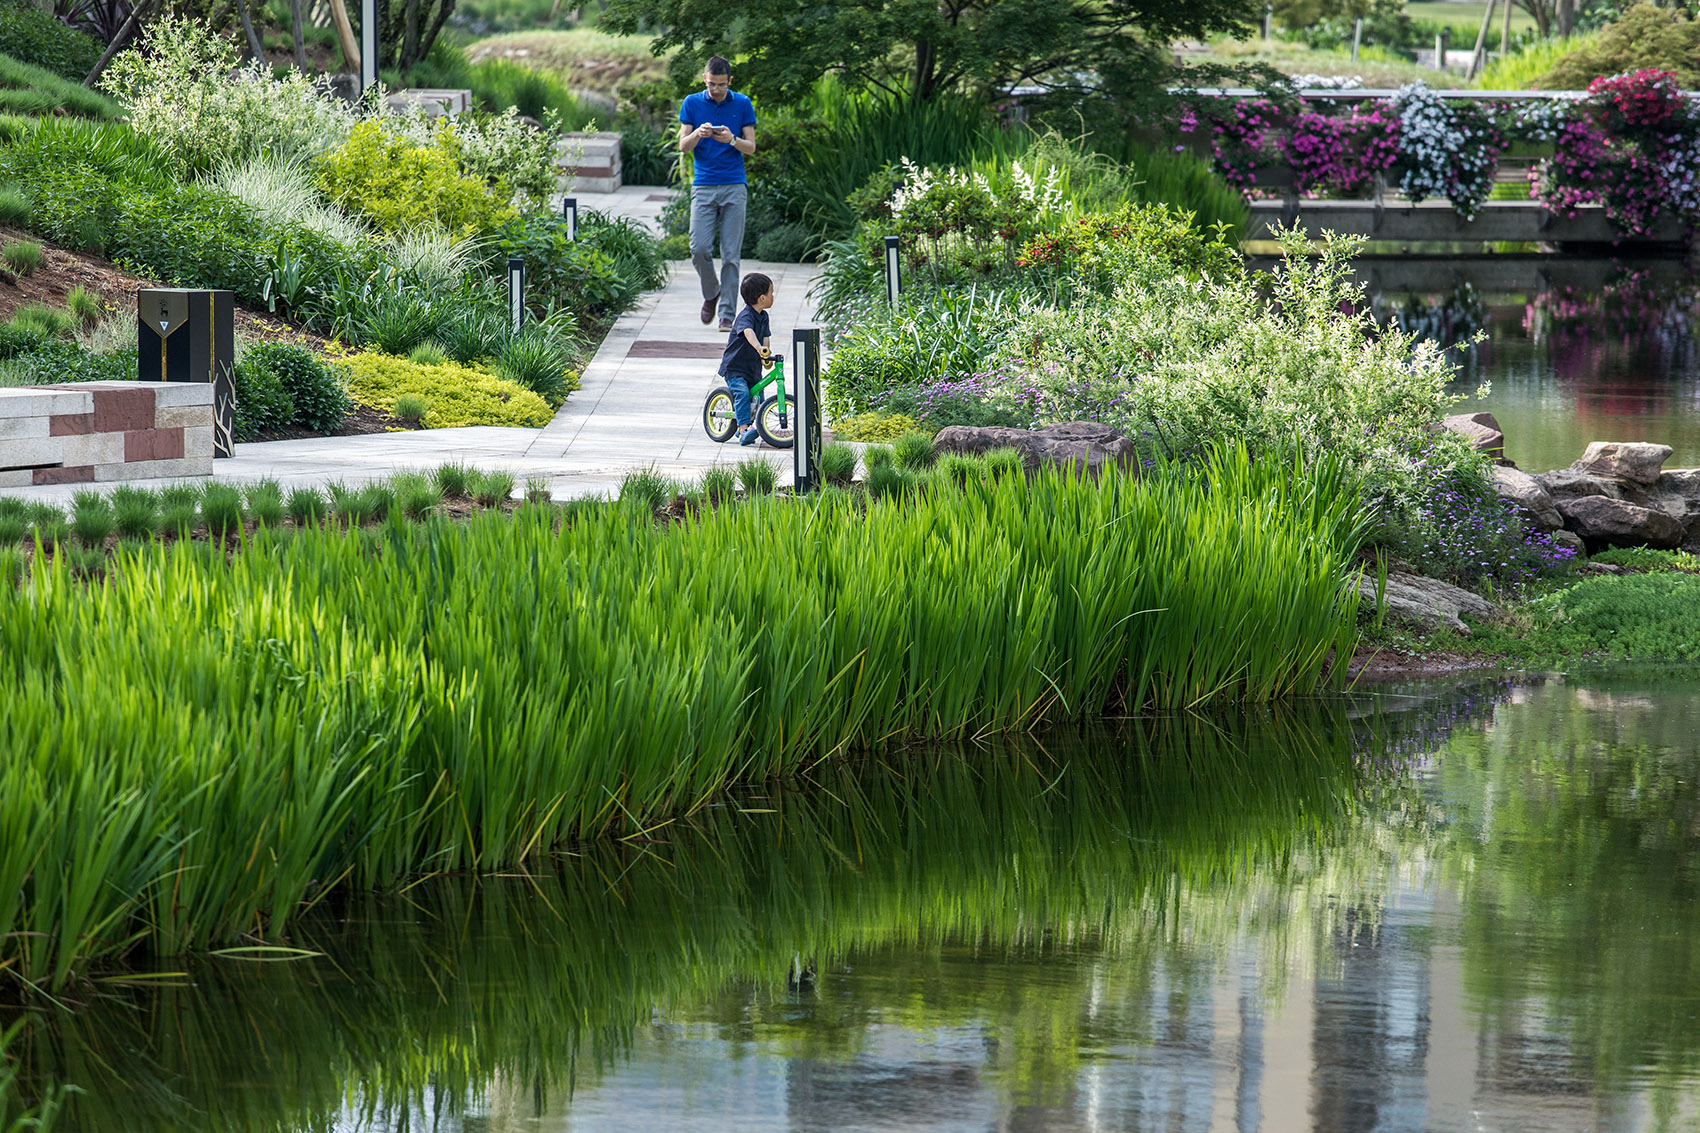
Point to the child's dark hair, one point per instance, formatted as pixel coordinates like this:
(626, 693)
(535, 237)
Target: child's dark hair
(755, 285)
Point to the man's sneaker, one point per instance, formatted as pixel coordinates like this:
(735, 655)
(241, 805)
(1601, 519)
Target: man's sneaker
(708, 306)
(725, 324)
(750, 437)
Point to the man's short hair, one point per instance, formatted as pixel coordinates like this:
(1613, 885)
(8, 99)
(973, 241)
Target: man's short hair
(718, 66)
(755, 285)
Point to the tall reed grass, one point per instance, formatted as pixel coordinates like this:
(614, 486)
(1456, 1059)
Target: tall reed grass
(202, 745)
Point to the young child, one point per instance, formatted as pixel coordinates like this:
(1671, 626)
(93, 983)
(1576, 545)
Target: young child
(747, 349)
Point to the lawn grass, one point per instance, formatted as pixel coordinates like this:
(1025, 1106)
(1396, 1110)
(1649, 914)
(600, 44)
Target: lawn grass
(583, 58)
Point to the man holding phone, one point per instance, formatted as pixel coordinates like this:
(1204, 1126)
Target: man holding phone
(717, 126)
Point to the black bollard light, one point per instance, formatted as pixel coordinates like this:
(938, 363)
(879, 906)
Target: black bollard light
(805, 447)
(893, 270)
(569, 213)
(516, 292)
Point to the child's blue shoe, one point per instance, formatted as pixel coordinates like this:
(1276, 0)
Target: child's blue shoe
(750, 437)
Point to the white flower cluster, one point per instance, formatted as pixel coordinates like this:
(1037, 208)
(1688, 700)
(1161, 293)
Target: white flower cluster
(1032, 185)
(1538, 120)
(1443, 152)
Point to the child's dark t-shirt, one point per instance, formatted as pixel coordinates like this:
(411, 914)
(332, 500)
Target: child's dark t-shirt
(741, 358)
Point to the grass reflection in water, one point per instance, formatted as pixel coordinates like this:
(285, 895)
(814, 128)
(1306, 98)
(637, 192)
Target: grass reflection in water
(1157, 840)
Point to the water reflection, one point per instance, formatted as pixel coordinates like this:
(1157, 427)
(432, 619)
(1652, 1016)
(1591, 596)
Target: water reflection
(1575, 351)
(1433, 909)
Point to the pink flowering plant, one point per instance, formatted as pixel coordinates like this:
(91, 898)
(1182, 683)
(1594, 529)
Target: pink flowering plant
(1342, 154)
(1632, 145)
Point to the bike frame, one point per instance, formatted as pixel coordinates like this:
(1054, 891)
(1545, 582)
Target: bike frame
(777, 374)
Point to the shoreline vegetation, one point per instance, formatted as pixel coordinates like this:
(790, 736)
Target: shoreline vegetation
(355, 708)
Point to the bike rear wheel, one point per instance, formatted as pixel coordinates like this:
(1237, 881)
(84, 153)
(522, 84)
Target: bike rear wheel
(718, 419)
(776, 428)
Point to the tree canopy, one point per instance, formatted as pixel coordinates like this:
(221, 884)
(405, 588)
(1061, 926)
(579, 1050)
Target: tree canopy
(780, 47)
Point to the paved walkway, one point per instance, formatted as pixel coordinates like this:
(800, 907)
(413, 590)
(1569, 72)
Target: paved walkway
(639, 406)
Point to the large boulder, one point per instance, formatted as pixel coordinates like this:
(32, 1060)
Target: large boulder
(1605, 522)
(1081, 444)
(1428, 603)
(1480, 429)
(1635, 461)
(1524, 490)
(1569, 484)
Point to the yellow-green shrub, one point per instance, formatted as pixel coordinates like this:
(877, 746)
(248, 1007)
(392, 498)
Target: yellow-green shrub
(402, 185)
(873, 428)
(457, 395)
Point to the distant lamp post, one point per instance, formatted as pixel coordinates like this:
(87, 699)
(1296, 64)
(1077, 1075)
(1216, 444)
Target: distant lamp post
(893, 270)
(368, 45)
(569, 213)
(516, 292)
(1269, 19)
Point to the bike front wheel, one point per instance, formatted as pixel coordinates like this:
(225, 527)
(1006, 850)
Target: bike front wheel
(718, 419)
(777, 428)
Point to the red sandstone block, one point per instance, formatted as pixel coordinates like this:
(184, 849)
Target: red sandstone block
(70, 425)
(120, 410)
(73, 474)
(153, 444)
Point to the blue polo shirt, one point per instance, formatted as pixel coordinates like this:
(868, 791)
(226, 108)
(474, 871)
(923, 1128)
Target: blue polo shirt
(718, 163)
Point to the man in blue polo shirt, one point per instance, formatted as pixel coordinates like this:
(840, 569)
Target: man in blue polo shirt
(717, 126)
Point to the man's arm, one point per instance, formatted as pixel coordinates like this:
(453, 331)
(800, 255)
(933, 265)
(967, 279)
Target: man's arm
(689, 135)
(746, 145)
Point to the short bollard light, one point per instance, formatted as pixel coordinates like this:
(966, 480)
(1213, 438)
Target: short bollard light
(805, 449)
(893, 270)
(516, 292)
(569, 213)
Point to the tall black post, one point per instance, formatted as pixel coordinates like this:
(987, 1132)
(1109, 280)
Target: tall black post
(569, 213)
(805, 449)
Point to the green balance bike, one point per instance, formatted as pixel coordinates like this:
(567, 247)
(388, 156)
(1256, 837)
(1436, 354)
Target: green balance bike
(776, 418)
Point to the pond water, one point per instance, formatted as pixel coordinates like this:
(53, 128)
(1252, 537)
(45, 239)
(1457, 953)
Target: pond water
(1577, 350)
(1433, 908)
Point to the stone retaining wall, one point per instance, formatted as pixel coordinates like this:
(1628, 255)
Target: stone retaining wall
(102, 431)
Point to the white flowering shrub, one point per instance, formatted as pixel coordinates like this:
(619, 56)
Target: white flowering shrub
(492, 147)
(186, 92)
(1185, 363)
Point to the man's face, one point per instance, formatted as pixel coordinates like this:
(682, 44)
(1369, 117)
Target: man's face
(717, 85)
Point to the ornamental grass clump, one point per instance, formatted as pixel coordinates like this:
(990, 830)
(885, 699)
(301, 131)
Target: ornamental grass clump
(135, 512)
(354, 708)
(221, 510)
(307, 506)
(453, 480)
(13, 529)
(719, 484)
(265, 502)
(491, 489)
(21, 256)
(91, 518)
(838, 463)
(757, 477)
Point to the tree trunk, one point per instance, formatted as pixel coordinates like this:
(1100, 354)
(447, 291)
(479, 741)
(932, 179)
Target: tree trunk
(298, 24)
(1566, 17)
(410, 37)
(137, 14)
(443, 12)
(925, 60)
(345, 35)
(254, 44)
